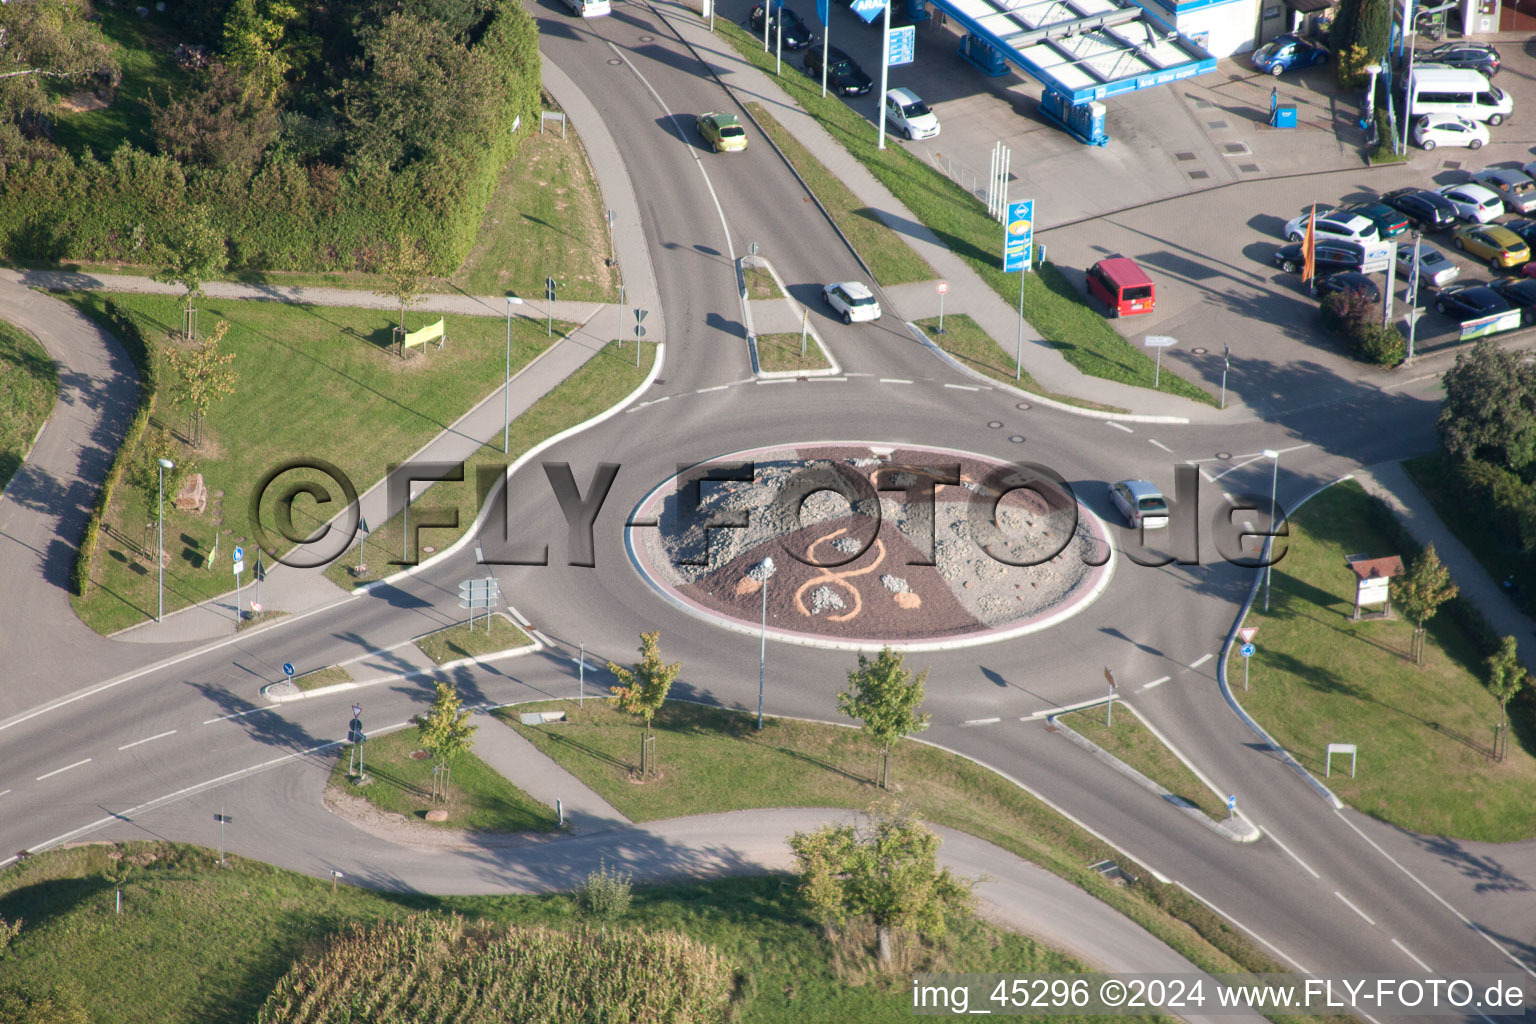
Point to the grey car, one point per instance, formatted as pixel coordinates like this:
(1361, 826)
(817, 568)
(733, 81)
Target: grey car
(1514, 187)
(1434, 268)
(1140, 502)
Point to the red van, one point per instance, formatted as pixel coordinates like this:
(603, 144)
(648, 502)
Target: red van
(1122, 286)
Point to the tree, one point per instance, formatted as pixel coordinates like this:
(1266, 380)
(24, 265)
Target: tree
(445, 731)
(1506, 675)
(23, 1004)
(47, 39)
(1490, 409)
(1420, 592)
(406, 268)
(643, 689)
(261, 39)
(202, 376)
(145, 475)
(888, 872)
(197, 254)
(885, 697)
(1375, 28)
(229, 123)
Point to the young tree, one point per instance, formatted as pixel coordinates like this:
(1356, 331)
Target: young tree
(643, 689)
(406, 268)
(202, 376)
(146, 473)
(885, 697)
(1420, 592)
(444, 731)
(1506, 675)
(888, 871)
(197, 254)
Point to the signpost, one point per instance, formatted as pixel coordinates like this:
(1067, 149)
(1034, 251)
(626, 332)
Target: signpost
(484, 593)
(223, 819)
(357, 738)
(1159, 342)
(1340, 749)
(1378, 257)
(1226, 364)
(943, 290)
(1232, 805)
(239, 568)
(1247, 651)
(259, 575)
(362, 535)
(826, 40)
(1109, 713)
(549, 306)
(1018, 241)
(613, 256)
(640, 315)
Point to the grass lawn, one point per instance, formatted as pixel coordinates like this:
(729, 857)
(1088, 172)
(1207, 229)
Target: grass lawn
(599, 384)
(322, 677)
(1055, 309)
(466, 641)
(201, 945)
(1132, 742)
(782, 352)
(964, 339)
(887, 254)
(313, 383)
(760, 283)
(478, 797)
(29, 384)
(1500, 559)
(1319, 678)
(715, 760)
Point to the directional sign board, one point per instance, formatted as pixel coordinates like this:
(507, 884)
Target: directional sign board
(903, 48)
(484, 593)
(869, 10)
(1159, 341)
(1018, 236)
(1248, 633)
(1247, 650)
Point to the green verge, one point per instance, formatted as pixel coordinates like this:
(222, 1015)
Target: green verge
(222, 938)
(1055, 309)
(782, 352)
(887, 255)
(600, 384)
(479, 798)
(313, 382)
(322, 677)
(964, 339)
(471, 641)
(1132, 742)
(713, 760)
(760, 283)
(29, 384)
(1424, 732)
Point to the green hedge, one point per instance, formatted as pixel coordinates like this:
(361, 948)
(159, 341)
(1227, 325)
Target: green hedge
(286, 216)
(127, 332)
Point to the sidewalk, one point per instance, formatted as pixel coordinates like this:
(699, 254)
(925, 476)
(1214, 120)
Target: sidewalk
(968, 293)
(296, 591)
(1390, 482)
(541, 777)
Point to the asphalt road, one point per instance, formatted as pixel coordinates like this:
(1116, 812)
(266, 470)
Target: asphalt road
(1315, 891)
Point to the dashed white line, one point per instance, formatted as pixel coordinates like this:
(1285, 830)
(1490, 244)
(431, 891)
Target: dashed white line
(1357, 910)
(973, 721)
(1290, 852)
(829, 380)
(58, 771)
(1155, 682)
(147, 739)
(894, 380)
(1415, 959)
(658, 401)
(1154, 442)
(962, 387)
(1120, 426)
(776, 380)
(237, 714)
(717, 387)
(858, 375)
(4, 791)
(1201, 660)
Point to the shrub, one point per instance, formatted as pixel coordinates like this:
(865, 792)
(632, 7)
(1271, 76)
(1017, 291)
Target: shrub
(1374, 342)
(1353, 60)
(1357, 320)
(605, 894)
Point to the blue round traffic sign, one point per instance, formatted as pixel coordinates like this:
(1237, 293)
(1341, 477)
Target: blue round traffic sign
(239, 553)
(287, 669)
(1232, 803)
(1247, 650)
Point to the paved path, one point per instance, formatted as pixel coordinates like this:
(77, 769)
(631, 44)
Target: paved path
(541, 777)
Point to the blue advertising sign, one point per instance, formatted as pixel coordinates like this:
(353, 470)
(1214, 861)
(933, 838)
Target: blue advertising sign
(868, 9)
(1018, 235)
(903, 48)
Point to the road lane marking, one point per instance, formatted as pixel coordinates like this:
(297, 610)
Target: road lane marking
(60, 771)
(1158, 444)
(962, 387)
(4, 791)
(1276, 949)
(1290, 852)
(1201, 660)
(829, 380)
(1357, 910)
(973, 721)
(241, 714)
(1415, 959)
(158, 736)
(1155, 682)
(894, 380)
(717, 387)
(1121, 426)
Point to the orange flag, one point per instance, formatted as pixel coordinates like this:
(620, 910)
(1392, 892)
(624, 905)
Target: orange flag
(1309, 248)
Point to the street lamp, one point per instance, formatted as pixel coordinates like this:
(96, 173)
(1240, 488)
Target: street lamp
(165, 464)
(506, 394)
(1274, 484)
(762, 653)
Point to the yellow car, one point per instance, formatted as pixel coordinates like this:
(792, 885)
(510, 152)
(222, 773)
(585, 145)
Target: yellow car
(1501, 247)
(723, 131)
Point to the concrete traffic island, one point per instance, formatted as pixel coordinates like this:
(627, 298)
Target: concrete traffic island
(863, 545)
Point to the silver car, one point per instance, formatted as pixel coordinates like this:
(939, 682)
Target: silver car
(1140, 502)
(1514, 187)
(1434, 268)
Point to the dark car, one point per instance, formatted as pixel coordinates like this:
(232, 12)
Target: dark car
(1526, 229)
(843, 75)
(1470, 301)
(1520, 292)
(1329, 254)
(1429, 210)
(1348, 281)
(1389, 222)
(796, 35)
(1477, 56)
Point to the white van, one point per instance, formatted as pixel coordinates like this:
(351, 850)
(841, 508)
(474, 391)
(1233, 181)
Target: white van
(589, 8)
(1435, 89)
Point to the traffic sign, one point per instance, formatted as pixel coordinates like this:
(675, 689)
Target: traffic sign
(1232, 802)
(641, 314)
(1159, 341)
(1248, 633)
(239, 553)
(1247, 650)
(239, 566)
(484, 593)
(1109, 677)
(549, 289)
(903, 46)
(942, 287)
(287, 669)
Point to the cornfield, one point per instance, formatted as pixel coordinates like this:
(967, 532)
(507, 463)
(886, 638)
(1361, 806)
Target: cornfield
(432, 969)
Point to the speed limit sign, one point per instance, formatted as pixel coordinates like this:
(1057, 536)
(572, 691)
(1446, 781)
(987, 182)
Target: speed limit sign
(942, 286)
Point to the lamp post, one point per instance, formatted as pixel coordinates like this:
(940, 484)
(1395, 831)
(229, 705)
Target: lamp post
(1269, 543)
(762, 653)
(506, 393)
(165, 464)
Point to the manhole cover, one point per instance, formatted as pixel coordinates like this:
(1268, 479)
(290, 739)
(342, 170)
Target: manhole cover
(1017, 438)
(1224, 456)
(615, 60)
(996, 424)
(1197, 351)
(1022, 405)
(428, 549)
